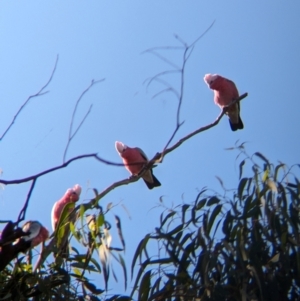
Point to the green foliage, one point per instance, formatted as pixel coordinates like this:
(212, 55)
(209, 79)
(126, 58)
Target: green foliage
(65, 278)
(243, 245)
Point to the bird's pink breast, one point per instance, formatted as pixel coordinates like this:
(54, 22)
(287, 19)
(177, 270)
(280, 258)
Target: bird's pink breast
(59, 205)
(225, 92)
(130, 156)
(42, 236)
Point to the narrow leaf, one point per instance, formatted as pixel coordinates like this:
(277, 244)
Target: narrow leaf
(275, 258)
(100, 220)
(213, 200)
(81, 214)
(144, 287)
(138, 251)
(123, 265)
(184, 209)
(277, 170)
(262, 157)
(271, 184)
(241, 168)
(212, 218)
(241, 187)
(171, 214)
(119, 228)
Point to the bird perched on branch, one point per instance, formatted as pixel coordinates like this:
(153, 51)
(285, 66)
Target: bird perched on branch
(36, 235)
(71, 196)
(15, 240)
(225, 92)
(135, 159)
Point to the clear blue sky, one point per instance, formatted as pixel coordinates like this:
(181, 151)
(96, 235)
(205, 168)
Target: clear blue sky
(256, 44)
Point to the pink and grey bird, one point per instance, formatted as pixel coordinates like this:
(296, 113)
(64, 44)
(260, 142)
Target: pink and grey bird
(71, 196)
(135, 159)
(225, 92)
(37, 233)
(15, 240)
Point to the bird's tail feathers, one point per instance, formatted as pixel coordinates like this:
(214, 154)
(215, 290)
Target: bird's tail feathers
(236, 126)
(153, 184)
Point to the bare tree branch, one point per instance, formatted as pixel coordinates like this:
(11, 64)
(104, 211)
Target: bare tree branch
(3, 221)
(185, 58)
(23, 211)
(163, 59)
(92, 203)
(169, 88)
(156, 159)
(177, 37)
(71, 133)
(39, 93)
(162, 48)
(202, 129)
(187, 51)
(151, 79)
(82, 121)
(36, 176)
(203, 34)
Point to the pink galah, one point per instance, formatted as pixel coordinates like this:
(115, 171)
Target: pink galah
(225, 92)
(15, 240)
(37, 233)
(135, 159)
(71, 196)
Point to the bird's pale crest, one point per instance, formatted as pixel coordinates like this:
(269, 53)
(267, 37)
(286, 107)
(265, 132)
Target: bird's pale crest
(209, 78)
(32, 227)
(120, 147)
(77, 189)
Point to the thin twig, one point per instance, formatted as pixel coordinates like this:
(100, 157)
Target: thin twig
(203, 34)
(3, 221)
(71, 133)
(164, 59)
(169, 88)
(162, 48)
(186, 56)
(165, 91)
(190, 53)
(82, 121)
(92, 203)
(177, 37)
(23, 211)
(151, 79)
(36, 176)
(173, 135)
(204, 128)
(188, 49)
(180, 98)
(39, 93)
(64, 165)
